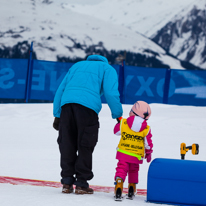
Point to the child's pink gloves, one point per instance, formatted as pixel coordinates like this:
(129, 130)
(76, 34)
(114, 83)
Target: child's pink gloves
(148, 157)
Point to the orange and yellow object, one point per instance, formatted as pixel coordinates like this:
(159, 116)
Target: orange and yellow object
(184, 149)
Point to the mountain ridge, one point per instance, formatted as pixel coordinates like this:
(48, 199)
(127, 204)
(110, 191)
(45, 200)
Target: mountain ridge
(60, 34)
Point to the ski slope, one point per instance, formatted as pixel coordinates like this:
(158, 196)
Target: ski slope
(28, 149)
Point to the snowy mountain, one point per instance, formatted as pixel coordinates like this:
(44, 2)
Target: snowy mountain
(185, 35)
(68, 31)
(158, 20)
(142, 16)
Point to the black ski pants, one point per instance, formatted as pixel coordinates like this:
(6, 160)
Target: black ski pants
(78, 135)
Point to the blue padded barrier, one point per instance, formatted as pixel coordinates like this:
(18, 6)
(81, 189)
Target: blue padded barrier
(177, 182)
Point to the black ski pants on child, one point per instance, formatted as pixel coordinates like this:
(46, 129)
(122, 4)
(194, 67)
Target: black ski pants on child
(78, 135)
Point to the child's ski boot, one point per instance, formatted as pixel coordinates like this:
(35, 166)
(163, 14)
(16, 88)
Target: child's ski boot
(131, 191)
(118, 189)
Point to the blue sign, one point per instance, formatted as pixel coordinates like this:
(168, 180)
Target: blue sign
(181, 87)
(46, 78)
(13, 73)
(146, 84)
(188, 88)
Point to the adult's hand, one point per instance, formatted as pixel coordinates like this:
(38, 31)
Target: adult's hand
(56, 123)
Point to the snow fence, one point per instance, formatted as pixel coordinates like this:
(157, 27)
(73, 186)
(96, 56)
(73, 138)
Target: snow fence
(38, 80)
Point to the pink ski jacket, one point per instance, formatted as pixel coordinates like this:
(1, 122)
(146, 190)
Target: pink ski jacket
(137, 124)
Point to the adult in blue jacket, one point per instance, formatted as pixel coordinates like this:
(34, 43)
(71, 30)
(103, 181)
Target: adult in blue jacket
(76, 106)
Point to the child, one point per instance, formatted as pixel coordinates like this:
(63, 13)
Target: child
(135, 144)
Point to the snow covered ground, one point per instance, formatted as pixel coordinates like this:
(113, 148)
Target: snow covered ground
(28, 149)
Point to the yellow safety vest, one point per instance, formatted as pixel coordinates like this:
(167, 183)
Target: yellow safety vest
(132, 143)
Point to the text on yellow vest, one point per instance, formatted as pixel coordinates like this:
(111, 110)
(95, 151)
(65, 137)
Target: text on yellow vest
(132, 142)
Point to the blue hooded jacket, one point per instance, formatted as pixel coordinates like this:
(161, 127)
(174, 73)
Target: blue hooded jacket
(84, 84)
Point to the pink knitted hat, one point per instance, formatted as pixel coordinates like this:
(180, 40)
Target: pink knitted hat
(142, 109)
